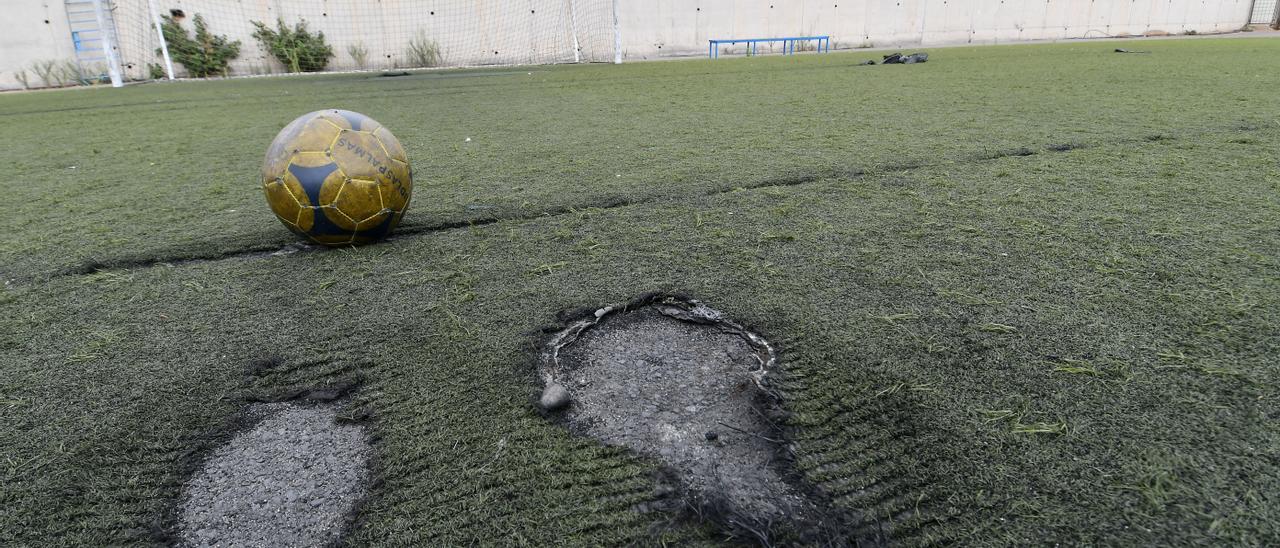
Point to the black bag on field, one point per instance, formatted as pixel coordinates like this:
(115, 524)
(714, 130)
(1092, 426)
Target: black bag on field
(900, 59)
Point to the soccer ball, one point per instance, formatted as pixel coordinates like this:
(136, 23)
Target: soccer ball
(337, 177)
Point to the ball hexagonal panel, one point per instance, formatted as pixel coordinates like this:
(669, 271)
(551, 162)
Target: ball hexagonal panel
(390, 144)
(360, 205)
(359, 155)
(281, 150)
(395, 184)
(289, 202)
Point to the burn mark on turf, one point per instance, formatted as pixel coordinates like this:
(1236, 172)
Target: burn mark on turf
(1064, 147)
(1021, 151)
(300, 481)
(295, 477)
(676, 381)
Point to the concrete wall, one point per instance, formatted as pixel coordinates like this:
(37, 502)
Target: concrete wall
(467, 32)
(32, 31)
(480, 32)
(668, 27)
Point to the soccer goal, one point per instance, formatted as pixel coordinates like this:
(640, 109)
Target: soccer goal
(235, 38)
(1265, 12)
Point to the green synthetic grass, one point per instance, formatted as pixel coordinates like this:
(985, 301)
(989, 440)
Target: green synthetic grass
(1023, 294)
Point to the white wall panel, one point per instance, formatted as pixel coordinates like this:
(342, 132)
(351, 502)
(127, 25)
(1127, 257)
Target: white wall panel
(469, 32)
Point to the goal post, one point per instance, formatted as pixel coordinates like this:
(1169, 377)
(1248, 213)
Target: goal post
(164, 47)
(617, 35)
(1265, 12)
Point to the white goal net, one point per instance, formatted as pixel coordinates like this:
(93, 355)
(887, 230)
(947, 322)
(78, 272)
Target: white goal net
(361, 34)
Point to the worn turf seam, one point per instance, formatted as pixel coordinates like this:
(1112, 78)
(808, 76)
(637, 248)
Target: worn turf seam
(267, 250)
(173, 258)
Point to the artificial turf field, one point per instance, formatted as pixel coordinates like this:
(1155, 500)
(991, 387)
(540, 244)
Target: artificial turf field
(1021, 294)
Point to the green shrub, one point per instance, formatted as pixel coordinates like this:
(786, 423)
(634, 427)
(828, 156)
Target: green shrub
(203, 56)
(297, 48)
(156, 72)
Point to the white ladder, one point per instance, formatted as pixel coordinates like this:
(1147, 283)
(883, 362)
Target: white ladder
(93, 35)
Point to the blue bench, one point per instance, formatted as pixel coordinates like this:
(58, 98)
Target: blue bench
(788, 44)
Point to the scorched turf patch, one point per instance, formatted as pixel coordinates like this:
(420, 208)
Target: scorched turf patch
(675, 380)
(292, 480)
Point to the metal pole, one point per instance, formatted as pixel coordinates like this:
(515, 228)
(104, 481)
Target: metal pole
(164, 46)
(573, 27)
(617, 36)
(108, 49)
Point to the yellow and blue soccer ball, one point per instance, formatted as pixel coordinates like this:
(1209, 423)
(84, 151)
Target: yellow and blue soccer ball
(337, 178)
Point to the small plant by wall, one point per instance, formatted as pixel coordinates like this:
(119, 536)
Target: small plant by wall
(359, 54)
(295, 47)
(75, 74)
(206, 54)
(56, 73)
(423, 52)
(49, 72)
